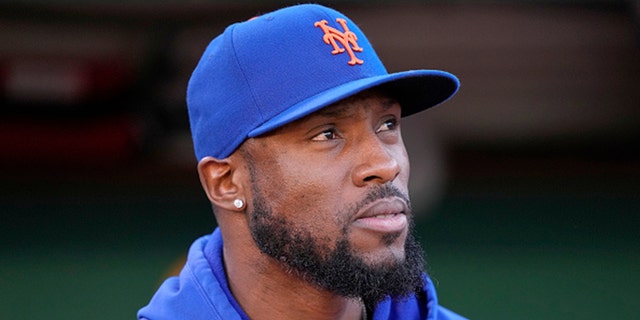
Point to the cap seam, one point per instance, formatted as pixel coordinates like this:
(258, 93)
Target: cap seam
(244, 76)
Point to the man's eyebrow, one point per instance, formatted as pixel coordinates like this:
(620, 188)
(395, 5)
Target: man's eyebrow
(389, 103)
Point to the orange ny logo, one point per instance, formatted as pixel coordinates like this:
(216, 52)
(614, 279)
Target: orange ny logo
(347, 39)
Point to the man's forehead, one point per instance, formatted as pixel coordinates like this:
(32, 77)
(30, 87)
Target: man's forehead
(367, 99)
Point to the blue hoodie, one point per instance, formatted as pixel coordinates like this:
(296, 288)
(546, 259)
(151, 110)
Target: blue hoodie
(201, 292)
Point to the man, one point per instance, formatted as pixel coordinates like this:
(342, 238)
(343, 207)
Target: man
(296, 127)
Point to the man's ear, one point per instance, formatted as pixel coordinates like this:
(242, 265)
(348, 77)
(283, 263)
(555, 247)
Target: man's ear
(218, 181)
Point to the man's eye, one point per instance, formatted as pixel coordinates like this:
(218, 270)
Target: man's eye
(325, 135)
(388, 125)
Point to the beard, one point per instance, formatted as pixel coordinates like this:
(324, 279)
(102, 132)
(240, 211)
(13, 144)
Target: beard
(339, 268)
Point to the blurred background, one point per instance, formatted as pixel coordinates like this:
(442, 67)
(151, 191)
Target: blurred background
(525, 183)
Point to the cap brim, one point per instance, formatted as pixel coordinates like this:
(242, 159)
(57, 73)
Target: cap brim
(415, 90)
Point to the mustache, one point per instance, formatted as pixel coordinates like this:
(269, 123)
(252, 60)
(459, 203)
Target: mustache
(384, 191)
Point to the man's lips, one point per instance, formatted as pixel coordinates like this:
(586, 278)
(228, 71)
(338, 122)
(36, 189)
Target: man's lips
(385, 216)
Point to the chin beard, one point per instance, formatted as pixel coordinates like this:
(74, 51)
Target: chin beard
(338, 269)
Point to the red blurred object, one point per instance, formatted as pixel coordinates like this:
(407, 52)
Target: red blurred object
(101, 141)
(65, 111)
(62, 80)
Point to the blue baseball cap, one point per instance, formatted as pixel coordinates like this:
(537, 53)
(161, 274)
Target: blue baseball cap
(263, 73)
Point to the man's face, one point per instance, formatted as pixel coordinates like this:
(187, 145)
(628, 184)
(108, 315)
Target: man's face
(329, 199)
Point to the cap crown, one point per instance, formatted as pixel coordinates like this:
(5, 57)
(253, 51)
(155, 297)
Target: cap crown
(259, 68)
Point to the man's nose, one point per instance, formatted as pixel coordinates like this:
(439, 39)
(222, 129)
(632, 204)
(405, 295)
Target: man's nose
(376, 162)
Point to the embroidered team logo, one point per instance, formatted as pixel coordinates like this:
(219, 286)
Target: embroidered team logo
(341, 41)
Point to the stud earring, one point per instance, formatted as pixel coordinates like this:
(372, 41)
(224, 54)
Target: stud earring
(238, 203)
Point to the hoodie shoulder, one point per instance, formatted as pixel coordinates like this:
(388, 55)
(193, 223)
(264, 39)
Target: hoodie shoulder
(196, 294)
